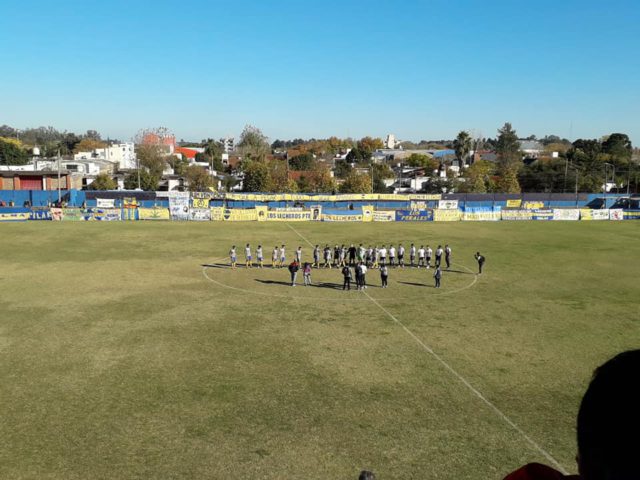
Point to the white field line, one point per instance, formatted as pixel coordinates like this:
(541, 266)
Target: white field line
(462, 379)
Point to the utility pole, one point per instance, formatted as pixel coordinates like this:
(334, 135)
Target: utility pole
(59, 194)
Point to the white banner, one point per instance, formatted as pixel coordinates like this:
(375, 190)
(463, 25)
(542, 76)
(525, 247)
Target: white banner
(566, 214)
(105, 202)
(616, 214)
(384, 216)
(588, 214)
(447, 204)
(200, 214)
(179, 205)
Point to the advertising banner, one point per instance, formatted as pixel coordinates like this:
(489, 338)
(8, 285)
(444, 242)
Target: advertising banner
(617, 214)
(418, 205)
(44, 214)
(288, 197)
(481, 214)
(200, 203)
(200, 215)
(627, 215)
(73, 214)
(566, 214)
(56, 214)
(533, 205)
(542, 214)
(217, 214)
(589, 214)
(240, 215)
(129, 202)
(179, 205)
(517, 215)
(367, 213)
(105, 214)
(385, 215)
(514, 203)
(447, 215)
(289, 216)
(14, 217)
(155, 213)
(331, 217)
(105, 202)
(448, 205)
(414, 216)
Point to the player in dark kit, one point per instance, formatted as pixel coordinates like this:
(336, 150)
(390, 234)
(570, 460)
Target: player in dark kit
(480, 260)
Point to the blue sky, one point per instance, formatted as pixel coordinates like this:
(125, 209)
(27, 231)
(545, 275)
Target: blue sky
(418, 69)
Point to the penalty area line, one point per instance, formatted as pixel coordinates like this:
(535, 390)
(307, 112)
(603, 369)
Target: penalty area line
(462, 379)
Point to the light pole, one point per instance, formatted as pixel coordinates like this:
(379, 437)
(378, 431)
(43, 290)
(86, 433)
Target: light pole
(565, 177)
(606, 180)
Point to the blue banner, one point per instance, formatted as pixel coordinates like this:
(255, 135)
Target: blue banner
(414, 215)
(40, 214)
(542, 214)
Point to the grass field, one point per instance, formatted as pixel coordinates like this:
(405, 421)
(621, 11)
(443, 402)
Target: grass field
(121, 356)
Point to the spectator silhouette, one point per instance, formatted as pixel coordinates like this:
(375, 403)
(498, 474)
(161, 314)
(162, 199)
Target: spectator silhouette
(608, 426)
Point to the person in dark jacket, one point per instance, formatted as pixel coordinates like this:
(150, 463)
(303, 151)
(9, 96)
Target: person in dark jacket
(293, 269)
(346, 273)
(480, 259)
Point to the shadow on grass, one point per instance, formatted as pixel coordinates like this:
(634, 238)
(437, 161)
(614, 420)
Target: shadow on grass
(417, 284)
(216, 265)
(273, 282)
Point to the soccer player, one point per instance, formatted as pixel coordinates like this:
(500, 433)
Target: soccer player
(369, 257)
(384, 276)
(336, 256)
(346, 273)
(306, 273)
(439, 252)
(421, 254)
(260, 256)
(352, 255)
(233, 257)
(437, 275)
(383, 255)
(274, 257)
(342, 256)
(363, 276)
(392, 255)
(316, 256)
(247, 256)
(359, 276)
(428, 253)
(376, 257)
(298, 255)
(447, 256)
(283, 256)
(480, 259)
(361, 251)
(401, 256)
(327, 256)
(412, 254)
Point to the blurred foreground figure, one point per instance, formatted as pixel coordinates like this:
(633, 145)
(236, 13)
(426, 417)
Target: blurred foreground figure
(608, 426)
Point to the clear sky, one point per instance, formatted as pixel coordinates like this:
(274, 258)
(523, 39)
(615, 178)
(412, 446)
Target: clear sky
(418, 69)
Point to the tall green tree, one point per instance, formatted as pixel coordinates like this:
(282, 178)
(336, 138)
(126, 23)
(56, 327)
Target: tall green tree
(253, 143)
(148, 181)
(198, 179)
(12, 152)
(462, 146)
(477, 178)
(256, 176)
(508, 146)
(153, 158)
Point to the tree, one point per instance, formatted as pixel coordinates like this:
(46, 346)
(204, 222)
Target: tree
(12, 152)
(508, 146)
(88, 145)
(253, 143)
(478, 178)
(359, 155)
(619, 147)
(152, 158)
(278, 179)
(380, 172)
(320, 180)
(508, 180)
(419, 160)
(256, 176)
(342, 168)
(213, 149)
(356, 183)
(301, 162)
(103, 182)
(462, 146)
(198, 179)
(93, 135)
(370, 145)
(148, 181)
(179, 165)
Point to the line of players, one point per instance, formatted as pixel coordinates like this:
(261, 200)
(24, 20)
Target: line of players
(340, 256)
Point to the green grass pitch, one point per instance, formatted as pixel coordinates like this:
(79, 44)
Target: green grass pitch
(121, 356)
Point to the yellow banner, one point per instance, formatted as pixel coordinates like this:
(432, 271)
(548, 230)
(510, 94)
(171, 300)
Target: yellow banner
(200, 203)
(302, 197)
(155, 213)
(217, 214)
(326, 217)
(239, 214)
(514, 203)
(262, 211)
(446, 215)
(289, 216)
(367, 213)
(14, 217)
(533, 205)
